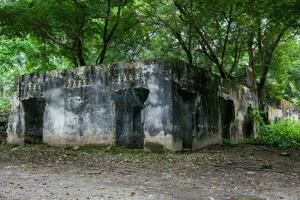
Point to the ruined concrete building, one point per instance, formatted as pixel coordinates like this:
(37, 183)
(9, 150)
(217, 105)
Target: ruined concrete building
(152, 104)
(276, 110)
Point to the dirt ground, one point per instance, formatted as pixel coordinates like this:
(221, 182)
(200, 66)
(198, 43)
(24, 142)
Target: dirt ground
(241, 172)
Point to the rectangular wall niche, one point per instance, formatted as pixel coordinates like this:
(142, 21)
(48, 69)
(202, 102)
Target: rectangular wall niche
(34, 113)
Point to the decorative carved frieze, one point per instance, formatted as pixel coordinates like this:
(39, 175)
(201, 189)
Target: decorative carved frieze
(76, 83)
(127, 77)
(34, 86)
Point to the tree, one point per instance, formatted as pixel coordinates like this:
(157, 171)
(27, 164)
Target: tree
(222, 36)
(233, 34)
(267, 24)
(167, 28)
(284, 76)
(215, 27)
(82, 29)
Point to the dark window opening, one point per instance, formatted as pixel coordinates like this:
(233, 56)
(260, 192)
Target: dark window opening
(227, 116)
(129, 124)
(34, 113)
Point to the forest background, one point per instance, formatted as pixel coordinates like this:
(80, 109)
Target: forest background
(220, 36)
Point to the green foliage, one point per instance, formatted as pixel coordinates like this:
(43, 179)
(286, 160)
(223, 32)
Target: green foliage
(223, 37)
(4, 104)
(284, 133)
(227, 142)
(21, 55)
(284, 77)
(256, 115)
(80, 31)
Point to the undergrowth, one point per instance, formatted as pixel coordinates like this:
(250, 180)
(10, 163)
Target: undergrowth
(4, 104)
(284, 133)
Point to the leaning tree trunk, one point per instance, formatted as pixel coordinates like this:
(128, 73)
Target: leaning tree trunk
(262, 83)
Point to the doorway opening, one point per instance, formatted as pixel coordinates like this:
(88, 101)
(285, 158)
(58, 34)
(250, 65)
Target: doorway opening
(186, 119)
(34, 109)
(227, 116)
(3, 134)
(129, 124)
(248, 127)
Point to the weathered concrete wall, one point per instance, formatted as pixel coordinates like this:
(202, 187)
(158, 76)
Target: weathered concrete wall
(196, 108)
(197, 101)
(79, 106)
(244, 100)
(282, 109)
(173, 106)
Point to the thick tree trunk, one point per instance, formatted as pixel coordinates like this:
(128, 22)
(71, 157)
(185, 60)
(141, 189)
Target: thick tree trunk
(80, 52)
(261, 85)
(266, 56)
(102, 54)
(222, 71)
(107, 35)
(190, 58)
(250, 50)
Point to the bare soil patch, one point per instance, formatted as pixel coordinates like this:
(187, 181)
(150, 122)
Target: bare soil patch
(235, 172)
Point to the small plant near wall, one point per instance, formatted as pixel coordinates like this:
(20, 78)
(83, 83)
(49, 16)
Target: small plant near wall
(257, 117)
(227, 142)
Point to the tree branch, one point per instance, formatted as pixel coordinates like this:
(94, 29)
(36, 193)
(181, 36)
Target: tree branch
(227, 35)
(107, 36)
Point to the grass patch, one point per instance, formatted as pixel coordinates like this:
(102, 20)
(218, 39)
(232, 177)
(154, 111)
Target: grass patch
(227, 142)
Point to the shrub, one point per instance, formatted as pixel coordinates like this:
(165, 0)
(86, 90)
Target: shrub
(4, 104)
(284, 133)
